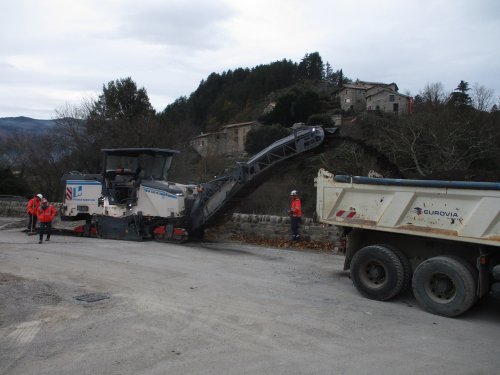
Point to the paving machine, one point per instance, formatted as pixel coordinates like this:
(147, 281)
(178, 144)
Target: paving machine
(133, 199)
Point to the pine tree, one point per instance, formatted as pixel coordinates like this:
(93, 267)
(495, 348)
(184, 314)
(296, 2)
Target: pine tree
(460, 98)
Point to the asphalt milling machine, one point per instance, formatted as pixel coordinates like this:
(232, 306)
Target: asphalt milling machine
(132, 198)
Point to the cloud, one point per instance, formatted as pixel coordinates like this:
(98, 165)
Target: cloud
(73, 47)
(192, 25)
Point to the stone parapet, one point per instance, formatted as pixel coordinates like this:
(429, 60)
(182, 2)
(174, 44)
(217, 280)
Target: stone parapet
(270, 226)
(13, 208)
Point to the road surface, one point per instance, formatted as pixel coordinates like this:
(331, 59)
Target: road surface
(216, 308)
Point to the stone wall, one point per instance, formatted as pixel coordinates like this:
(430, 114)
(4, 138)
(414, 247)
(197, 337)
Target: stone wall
(273, 227)
(13, 208)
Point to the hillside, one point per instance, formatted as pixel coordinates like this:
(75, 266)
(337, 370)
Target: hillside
(447, 139)
(11, 125)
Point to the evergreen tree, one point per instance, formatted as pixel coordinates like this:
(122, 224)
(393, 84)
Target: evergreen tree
(340, 82)
(312, 67)
(122, 116)
(262, 136)
(460, 98)
(329, 73)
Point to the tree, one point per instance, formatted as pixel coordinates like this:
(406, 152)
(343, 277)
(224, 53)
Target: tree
(460, 98)
(482, 97)
(340, 80)
(432, 143)
(122, 115)
(433, 94)
(295, 106)
(262, 136)
(312, 67)
(329, 73)
(10, 184)
(37, 159)
(320, 119)
(122, 100)
(79, 147)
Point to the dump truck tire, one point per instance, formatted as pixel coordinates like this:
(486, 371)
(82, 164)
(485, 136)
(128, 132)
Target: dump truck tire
(444, 286)
(377, 272)
(407, 274)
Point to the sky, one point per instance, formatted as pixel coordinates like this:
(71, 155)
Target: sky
(57, 54)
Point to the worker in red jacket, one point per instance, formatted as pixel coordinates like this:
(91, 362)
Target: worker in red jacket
(46, 213)
(32, 209)
(295, 214)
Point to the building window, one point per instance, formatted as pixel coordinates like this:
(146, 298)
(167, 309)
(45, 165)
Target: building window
(391, 98)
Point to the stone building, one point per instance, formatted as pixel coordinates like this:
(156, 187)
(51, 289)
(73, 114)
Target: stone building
(228, 141)
(370, 96)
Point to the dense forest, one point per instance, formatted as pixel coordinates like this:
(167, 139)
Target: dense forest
(449, 135)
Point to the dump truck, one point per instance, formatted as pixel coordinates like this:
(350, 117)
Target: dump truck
(440, 237)
(134, 199)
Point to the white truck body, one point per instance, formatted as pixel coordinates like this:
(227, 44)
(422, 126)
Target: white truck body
(443, 237)
(453, 213)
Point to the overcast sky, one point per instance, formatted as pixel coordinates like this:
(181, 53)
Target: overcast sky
(55, 53)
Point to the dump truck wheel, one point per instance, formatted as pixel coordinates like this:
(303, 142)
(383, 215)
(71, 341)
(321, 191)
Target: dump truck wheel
(404, 262)
(444, 286)
(377, 272)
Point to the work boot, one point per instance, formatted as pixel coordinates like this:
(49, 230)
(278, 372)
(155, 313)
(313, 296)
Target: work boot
(40, 241)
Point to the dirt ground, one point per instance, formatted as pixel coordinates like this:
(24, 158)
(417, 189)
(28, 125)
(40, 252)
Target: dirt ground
(216, 308)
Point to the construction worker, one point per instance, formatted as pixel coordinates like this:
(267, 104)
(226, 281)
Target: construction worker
(295, 214)
(32, 209)
(46, 213)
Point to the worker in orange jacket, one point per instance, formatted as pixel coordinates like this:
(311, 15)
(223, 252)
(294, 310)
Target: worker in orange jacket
(32, 209)
(46, 213)
(295, 214)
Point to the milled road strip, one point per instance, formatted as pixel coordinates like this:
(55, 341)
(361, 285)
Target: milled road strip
(24, 333)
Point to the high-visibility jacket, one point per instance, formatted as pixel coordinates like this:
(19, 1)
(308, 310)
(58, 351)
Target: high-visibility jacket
(296, 208)
(33, 205)
(47, 214)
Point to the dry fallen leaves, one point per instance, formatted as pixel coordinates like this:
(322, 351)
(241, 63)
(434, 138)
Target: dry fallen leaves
(282, 243)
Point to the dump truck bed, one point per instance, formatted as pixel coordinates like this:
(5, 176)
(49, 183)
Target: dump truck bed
(453, 210)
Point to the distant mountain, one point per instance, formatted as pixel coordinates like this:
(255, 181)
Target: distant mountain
(9, 125)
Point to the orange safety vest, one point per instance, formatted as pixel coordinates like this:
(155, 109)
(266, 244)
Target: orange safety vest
(33, 205)
(296, 207)
(47, 214)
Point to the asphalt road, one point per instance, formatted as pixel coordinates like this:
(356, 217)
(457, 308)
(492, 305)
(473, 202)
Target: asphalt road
(217, 308)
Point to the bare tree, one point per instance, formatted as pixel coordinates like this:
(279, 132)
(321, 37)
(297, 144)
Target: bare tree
(433, 93)
(482, 97)
(79, 148)
(407, 140)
